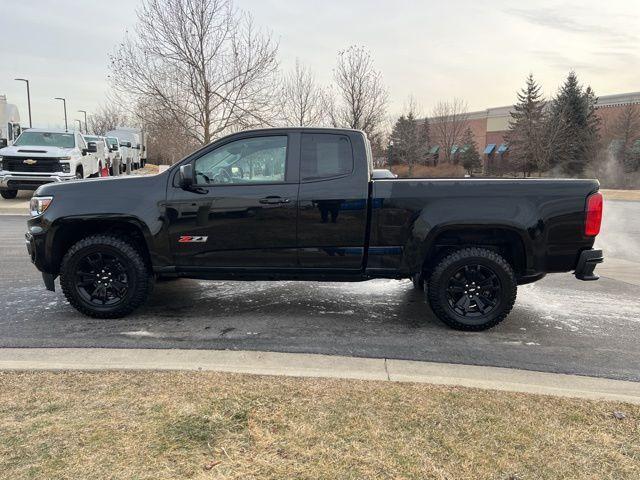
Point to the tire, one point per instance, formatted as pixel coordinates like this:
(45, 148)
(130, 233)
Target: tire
(79, 174)
(472, 289)
(9, 194)
(124, 279)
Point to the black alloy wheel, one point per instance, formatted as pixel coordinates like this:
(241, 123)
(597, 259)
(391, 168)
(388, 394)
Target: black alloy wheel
(101, 279)
(474, 290)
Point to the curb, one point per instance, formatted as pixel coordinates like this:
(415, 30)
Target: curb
(323, 366)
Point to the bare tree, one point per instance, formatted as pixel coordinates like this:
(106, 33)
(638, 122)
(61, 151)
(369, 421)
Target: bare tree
(361, 97)
(107, 117)
(167, 138)
(303, 100)
(626, 126)
(449, 122)
(201, 61)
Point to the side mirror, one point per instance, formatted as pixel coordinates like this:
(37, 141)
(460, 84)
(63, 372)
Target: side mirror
(128, 144)
(186, 177)
(92, 147)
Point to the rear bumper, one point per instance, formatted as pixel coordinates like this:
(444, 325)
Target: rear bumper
(587, 263)
(27, 181)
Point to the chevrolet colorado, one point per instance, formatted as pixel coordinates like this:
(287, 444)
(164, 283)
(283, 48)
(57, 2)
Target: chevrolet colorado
(301, 204)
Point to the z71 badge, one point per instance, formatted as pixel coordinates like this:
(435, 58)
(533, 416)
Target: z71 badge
(192, 239)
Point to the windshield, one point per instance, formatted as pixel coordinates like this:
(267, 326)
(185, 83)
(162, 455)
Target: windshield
(92, 139)
(46, 139)
(112, 141)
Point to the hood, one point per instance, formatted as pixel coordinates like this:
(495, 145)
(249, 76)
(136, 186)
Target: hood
(106, 187)
(27, 151)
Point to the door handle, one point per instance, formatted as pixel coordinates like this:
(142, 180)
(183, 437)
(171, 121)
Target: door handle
(273, 200)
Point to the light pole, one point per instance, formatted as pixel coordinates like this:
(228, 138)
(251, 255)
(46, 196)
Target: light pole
(64, 103)
(28, 98)
(85, 122)
(79, 124)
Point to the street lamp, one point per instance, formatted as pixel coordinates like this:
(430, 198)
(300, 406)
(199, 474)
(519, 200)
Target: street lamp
(64, 103)
(85, 122)
(28, 98)
(79, 124)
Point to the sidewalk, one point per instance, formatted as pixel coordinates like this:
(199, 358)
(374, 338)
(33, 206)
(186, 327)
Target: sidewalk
(323, 366)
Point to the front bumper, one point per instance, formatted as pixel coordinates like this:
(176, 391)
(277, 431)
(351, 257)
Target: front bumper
(35, 248)
(31, 181)
(587, 263)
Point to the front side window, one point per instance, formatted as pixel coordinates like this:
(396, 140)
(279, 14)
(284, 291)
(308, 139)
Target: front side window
(45, 139)
(248, 161)
(325, 155)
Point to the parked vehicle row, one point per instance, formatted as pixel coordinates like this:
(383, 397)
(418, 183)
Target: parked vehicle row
(40, 156)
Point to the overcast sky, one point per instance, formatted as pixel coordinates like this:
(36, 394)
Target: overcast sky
(480, 51)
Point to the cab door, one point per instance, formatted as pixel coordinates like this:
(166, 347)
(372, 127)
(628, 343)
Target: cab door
(334, 192)
(242, 211)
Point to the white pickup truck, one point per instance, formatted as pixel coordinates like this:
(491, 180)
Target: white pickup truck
(40, 156)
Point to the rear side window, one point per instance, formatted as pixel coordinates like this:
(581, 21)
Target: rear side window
(325, 155)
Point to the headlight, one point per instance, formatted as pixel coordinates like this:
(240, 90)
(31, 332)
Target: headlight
(65, 167)
(1, 165)
(38, 205)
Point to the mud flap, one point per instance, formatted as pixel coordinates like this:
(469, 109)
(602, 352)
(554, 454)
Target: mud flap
(49, 281)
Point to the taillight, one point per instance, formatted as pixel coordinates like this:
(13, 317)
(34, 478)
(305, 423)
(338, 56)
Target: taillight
(594, 215)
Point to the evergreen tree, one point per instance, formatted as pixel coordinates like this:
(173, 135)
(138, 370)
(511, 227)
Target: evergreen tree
(410, 141)
(572, 113)
(469, 156)
(526, 130)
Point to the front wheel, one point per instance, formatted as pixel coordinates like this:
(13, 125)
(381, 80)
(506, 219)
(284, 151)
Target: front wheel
(472, 289)
(9, 194)
(105, 277)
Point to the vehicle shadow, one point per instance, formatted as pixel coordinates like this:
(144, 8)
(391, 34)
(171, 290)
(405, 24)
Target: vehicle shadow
(376, 302)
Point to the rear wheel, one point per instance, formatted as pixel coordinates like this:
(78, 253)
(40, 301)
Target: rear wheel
(9, 194)
(472, 289)
(105, 277)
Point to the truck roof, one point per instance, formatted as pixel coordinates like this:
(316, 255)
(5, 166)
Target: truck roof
(298, 129)
(48, 130)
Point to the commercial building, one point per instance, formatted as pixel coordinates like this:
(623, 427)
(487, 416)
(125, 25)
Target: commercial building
(490, 126)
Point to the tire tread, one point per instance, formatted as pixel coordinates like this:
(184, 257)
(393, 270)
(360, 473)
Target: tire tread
(144, 280)
(436, 277)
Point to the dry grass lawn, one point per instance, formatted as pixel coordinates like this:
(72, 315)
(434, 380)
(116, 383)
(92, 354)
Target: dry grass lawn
(157, 425)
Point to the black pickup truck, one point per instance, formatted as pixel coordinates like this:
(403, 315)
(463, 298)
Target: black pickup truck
(301, 204)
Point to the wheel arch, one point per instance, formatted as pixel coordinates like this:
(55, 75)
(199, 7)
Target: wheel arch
(508, 240)
(68, 231)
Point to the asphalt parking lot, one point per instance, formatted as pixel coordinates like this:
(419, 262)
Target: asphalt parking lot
(558, 324)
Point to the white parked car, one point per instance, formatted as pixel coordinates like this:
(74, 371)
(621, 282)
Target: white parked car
(9, 122)
(103, 154)
(40, 156)
(115, 155)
